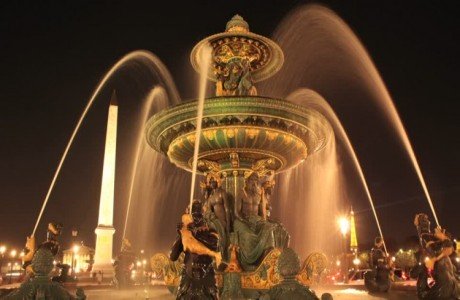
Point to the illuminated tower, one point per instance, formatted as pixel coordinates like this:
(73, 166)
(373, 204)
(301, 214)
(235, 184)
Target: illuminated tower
(353, 237)
(105, 230)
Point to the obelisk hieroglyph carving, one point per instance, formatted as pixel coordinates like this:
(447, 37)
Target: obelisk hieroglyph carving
(105, 230)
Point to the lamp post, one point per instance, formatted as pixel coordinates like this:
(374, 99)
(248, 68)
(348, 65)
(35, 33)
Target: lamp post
(13, 256)
(344, 226)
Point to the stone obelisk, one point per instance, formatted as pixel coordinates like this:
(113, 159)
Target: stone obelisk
(105, 230)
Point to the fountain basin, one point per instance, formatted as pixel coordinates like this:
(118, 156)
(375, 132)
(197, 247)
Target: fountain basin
(239, 133)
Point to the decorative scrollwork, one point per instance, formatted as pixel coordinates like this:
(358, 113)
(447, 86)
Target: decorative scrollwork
(265, 276)
(313, 266)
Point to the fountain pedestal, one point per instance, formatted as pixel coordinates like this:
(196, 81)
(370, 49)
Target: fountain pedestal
(244, 141)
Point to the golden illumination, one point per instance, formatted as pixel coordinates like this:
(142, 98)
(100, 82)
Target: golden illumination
(13, 253)
(105, 230)
(344, 225)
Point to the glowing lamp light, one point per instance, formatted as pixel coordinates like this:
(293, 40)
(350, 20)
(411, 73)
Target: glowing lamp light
(13, 253)
(356, 261)
(344, 225)
(144, 262)
(337, 263)
(393, 259)
(2, 250)
(457, 259)
(426, 258)
(142, 251)
(76, 248)
(138, 263)
(22, 254)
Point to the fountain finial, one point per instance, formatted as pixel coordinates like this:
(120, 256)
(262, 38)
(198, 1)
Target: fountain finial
(254, 56)
(237, 23)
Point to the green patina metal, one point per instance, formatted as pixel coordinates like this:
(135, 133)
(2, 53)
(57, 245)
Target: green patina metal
(254, 127)
(40, 286)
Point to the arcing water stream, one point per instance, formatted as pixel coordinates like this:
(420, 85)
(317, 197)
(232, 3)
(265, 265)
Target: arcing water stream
(148, 60)
(157, 97)
(205, 60)
(323, 54)
(309, 98)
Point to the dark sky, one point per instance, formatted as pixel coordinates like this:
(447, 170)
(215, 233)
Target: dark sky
(52, 55)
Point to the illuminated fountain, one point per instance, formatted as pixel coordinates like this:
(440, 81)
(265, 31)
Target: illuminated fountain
(245, 141)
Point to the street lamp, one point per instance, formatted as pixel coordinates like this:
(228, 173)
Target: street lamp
(344, 226)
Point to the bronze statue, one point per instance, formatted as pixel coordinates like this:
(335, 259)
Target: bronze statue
(218, 203)
(51, 243)
(200, 243)
(217, 210)
(123, 265)
(39, 265)
(234, 79)
(438, 246)
(255, 235)
(378, 280)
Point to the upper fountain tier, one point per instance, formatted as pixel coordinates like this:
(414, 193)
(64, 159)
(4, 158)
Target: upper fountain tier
(263, 56)
(242, 132)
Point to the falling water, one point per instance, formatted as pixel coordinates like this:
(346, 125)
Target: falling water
(155, 101)
(311, 99)
(145, 58)
(307, 200)
(205, 59)
(322, 53)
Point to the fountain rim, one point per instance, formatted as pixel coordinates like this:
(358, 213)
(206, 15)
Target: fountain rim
(171, 117)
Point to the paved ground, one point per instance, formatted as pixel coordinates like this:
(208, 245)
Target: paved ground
(162, 293)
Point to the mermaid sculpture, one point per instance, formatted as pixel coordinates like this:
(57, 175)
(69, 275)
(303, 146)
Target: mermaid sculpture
(378, 280)
(39, 264)
(200, 244)
(438, 247)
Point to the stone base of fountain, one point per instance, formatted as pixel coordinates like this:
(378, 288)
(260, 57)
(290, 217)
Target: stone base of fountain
(253, 284)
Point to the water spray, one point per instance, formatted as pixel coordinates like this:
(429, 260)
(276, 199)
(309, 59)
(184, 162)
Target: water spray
(205, 57)
(133, 56)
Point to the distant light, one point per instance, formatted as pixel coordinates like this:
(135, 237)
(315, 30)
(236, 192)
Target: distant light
(356, 261)
(142, 251)
(138, 263)
(337, 263)
(393, 259)
(76, 248)
(426, 258)
(2, 249)
(457, 259)
(344, 225)
(54, 262)
(13, 253)
(9, 264)
(400, 250)
(22, 254)
(144, 262)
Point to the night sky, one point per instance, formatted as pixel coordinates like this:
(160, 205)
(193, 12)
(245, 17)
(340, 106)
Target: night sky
(52, 55)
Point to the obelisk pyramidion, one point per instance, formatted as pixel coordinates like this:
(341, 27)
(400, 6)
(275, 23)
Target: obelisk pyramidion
(105, 230)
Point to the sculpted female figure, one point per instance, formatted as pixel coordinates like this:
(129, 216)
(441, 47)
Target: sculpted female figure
(217, 210)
